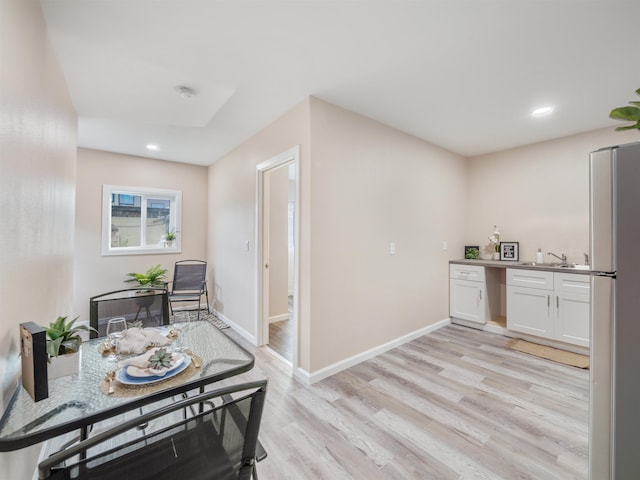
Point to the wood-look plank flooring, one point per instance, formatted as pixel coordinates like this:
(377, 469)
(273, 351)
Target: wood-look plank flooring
(281, 334)
(454, 404)
(281, 338)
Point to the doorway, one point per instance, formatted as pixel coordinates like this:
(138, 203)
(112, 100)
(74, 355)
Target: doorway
(278, 213)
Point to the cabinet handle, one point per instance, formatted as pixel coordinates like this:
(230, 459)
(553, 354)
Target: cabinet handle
(548, 301)
(480, 294)
(558, 302)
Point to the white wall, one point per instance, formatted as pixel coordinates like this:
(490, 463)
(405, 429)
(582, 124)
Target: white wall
(538, 195)
(372, 185)
(95, 274)
(363, 185)
(37, 191)
(232, 221)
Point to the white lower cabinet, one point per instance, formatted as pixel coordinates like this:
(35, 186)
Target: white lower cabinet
(573, 300)
(549, 304)
(467, 293)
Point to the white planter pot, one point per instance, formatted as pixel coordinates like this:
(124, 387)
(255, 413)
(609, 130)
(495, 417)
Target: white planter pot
(64, 365)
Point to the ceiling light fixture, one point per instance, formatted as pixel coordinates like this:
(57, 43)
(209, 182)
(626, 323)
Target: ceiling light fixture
(185, 92)
(542, 111)
(152, 147)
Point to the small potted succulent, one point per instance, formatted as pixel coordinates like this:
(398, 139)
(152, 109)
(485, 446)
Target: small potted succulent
(169, 237)
(63, 346)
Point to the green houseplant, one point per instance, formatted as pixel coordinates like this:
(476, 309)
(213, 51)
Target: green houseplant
(64, 337)
(629, 113)
(153, 277)
(63, 345)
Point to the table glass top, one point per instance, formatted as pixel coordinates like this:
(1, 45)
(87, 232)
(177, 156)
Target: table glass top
(75, 401)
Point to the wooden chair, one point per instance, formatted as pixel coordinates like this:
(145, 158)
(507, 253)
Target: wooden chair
(219, 442)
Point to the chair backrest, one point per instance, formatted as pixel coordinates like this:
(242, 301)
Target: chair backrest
(150, 306)
(189, 275)
(218, 442)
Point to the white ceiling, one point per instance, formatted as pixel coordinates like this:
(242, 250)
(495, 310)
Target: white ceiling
(463, 75)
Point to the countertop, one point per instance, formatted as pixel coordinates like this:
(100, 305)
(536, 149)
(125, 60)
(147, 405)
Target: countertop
(549, 267)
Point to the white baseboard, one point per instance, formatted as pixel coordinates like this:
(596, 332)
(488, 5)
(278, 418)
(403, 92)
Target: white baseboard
(279, 318)
(250, 337)
(325, 372)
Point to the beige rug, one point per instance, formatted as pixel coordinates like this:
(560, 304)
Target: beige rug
(550, 353)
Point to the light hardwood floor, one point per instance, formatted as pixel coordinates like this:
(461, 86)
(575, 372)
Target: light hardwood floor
(454, 404)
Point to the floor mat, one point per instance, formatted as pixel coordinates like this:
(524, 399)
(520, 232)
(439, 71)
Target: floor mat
(189, 315)
(550, 353)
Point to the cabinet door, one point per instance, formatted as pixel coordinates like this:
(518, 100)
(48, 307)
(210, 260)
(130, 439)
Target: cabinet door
(467, 300)
(529, 310)
(572, 318)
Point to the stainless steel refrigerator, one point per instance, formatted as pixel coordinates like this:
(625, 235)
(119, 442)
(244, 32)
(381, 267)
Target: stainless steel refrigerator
(614, 416)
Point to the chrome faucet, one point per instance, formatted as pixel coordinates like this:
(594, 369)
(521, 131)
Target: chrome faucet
(563, 258)
(586, 259)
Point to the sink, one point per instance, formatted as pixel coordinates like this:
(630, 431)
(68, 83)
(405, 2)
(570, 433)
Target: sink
(571, 266)
(575, 266)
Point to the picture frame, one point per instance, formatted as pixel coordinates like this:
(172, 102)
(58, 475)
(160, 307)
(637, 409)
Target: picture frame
(471, 252)
(510, 251)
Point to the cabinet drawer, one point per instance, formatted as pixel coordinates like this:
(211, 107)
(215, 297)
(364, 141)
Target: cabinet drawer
(466, 272)
(530, 278)
(572, 283)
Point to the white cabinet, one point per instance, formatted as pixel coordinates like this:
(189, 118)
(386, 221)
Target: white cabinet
(572, 308)
(549, 304)
(467, 293)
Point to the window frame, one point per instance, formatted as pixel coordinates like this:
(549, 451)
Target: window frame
(175, 219)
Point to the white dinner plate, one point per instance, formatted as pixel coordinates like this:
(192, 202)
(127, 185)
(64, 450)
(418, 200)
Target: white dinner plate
(124, 378)
(137, 372)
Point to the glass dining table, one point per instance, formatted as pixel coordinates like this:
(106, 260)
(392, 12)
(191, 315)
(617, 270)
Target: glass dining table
(78, 401)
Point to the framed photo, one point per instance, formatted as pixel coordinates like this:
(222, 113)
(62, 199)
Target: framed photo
(510, 251)
(471, 252)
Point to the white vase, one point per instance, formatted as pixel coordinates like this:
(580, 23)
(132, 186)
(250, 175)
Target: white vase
(496, 255)
(64, 365)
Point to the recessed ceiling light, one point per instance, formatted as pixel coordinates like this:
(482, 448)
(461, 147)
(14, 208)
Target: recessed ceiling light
(542, 111)
(152, 147)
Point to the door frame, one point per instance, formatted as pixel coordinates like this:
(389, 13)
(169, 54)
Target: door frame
(291, 156)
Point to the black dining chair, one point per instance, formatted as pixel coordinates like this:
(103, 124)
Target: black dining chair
(189, 283)
(148, 306)
(219, 442)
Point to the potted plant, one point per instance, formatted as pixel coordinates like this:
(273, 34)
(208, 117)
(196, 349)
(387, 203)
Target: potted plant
(153, 277)
(63, 346)
(169, 237)
(631, 114)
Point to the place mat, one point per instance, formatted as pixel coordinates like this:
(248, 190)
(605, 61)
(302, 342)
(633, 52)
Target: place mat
(550, 353)
(121, 390)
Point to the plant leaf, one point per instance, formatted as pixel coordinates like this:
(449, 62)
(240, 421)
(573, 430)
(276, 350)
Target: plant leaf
(628, 127)
(53, 347)
(625, 113)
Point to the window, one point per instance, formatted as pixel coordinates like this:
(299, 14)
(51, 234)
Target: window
(137, 220)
